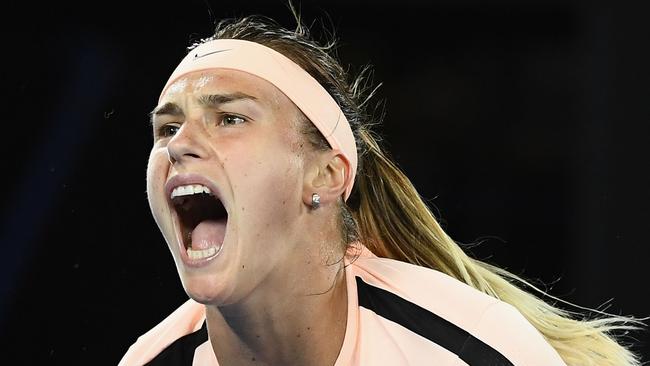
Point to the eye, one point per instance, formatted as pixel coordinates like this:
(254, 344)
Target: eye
(231, 120)
(168, 130)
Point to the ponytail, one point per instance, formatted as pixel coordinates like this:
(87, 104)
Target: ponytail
(394, 222)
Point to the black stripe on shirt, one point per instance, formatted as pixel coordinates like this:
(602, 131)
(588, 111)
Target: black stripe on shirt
(181, 352)
(429, 325)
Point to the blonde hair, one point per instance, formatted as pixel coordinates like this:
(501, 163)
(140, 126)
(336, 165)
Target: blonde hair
(406, 230)
(387, 214)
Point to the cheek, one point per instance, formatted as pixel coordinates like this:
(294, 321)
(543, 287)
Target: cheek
(265, 180)
(156, 169)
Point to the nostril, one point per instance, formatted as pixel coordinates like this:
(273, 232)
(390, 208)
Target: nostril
(178, 150)
(173, 158)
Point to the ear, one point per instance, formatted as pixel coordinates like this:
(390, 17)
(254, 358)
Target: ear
(328, 176)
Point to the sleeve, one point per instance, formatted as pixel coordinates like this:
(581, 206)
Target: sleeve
(506, 330)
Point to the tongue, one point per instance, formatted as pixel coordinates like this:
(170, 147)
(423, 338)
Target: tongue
(208, 233)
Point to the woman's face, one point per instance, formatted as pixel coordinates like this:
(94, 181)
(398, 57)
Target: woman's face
(225, 180)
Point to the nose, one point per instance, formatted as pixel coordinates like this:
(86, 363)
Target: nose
(186, 145)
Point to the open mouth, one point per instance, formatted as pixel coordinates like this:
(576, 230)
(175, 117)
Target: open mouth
(202, 220)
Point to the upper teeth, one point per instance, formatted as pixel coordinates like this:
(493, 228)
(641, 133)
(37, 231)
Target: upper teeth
(189, 190)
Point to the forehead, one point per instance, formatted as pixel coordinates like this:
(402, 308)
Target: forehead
(225, 81)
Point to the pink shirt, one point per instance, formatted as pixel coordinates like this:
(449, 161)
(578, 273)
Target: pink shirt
(398, 314)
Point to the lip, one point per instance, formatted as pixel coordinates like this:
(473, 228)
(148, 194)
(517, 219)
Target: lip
(191, 178)
(181, 180)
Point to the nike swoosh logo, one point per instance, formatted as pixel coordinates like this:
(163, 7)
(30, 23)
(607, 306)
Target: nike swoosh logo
(197, 56)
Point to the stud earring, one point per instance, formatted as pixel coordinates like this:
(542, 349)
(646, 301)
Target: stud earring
(315, 201)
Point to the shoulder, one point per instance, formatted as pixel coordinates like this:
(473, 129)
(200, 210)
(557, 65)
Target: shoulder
(449, 313)
(432, 290)
(180, 325)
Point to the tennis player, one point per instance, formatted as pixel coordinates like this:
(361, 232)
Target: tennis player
(299, 242)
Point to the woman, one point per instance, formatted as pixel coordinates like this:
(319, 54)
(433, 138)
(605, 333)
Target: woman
(300, 243)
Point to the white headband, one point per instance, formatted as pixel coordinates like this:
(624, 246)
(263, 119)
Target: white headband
(300, 87)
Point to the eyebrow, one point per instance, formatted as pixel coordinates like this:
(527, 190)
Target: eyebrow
(214, 100)
(206, 101)
(171, 109)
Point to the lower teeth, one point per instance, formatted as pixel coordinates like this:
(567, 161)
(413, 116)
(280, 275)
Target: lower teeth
(202, 253)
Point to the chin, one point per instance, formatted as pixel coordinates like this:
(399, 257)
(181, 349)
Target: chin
(205, 289)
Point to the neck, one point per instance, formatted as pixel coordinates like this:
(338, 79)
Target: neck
(298, 318)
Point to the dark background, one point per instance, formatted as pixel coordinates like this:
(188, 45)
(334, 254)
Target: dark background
(524, 125)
